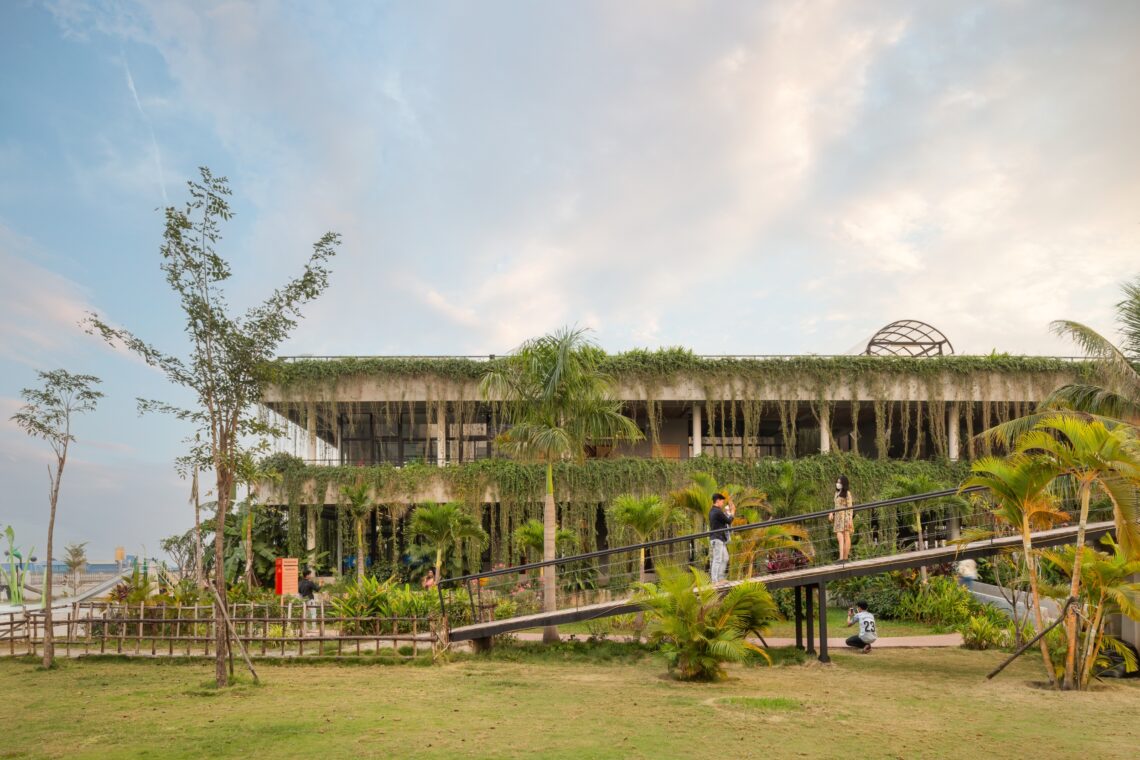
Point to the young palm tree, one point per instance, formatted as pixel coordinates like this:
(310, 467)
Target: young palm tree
(696, 628)
(444, 527)
(913, 485)
(359, 498)
(1095, 457)
(557, 402)
(643, 517)
(790, 495)
(1106, 590)
(695, 499)
(1020, 487)
(528, 539)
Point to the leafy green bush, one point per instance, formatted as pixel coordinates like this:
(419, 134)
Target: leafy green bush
(983, 633)
(940, 602)
(698, 630)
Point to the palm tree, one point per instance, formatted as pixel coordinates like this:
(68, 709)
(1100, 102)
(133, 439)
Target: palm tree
(1119, 397)
(444, 527)
(695, 499)
(359, 498)
(75, 558)
(696, 628)
(1116, 399)
(1106, 590)
(789, 495)
(914, 485)
(528, 539)
(557, 402)
(1095, 457)
(644, 517)
(1020, 486)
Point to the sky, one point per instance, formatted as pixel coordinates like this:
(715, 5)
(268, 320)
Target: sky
(733, 177)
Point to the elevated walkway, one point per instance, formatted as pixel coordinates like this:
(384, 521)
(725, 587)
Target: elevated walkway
(811, 576)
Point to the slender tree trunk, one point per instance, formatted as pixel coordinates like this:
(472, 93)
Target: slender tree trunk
(249, 579)
(199, 553)
(1031, 566)
(549, 531)
(221, 637)
(438, 562)
(1091, 641)
(1074, 588)
(918, 547)
(359, 549)
(46, 595)
(639, 620)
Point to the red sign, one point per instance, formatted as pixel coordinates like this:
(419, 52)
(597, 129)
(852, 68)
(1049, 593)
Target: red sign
(286, 580)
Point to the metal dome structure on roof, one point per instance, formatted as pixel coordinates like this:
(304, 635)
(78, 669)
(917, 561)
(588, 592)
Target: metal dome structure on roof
(909, 337)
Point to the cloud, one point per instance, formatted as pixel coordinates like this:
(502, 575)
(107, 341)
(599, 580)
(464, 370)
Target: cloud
(681, 175)
(40, 310)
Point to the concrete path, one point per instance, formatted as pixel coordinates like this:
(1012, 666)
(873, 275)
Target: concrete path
(887, 642)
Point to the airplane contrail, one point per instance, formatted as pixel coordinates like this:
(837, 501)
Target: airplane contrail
(150, 128)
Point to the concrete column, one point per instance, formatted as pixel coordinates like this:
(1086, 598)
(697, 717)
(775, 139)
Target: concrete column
(952, 430)
(311, 425)
(441, 435)
(312, 512)
(698, 429)
(824, 429)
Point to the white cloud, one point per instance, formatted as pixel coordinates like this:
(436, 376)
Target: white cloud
(492, 184)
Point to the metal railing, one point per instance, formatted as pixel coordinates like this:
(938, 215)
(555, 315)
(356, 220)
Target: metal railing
(745, 357)
(756, 550)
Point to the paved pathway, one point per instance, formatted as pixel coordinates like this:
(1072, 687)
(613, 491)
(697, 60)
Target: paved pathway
(886, 642)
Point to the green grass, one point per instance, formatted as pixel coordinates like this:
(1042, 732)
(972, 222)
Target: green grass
(570, 702)
(769, 704)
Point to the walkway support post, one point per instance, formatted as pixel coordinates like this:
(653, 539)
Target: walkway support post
(799, 618)
(810, 623)
(823, 657)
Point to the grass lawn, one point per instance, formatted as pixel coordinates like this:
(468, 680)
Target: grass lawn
(565, 704)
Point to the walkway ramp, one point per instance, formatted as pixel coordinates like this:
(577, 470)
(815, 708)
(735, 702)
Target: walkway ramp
(812, 575)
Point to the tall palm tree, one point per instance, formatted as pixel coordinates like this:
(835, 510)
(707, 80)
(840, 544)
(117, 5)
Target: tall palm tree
(1095, 457)
(1116, 398)
(1020, 488)
(644, 517)
(557, 401)
(1107, 589)
(1119, 395)
(359, 498)
(445, 526)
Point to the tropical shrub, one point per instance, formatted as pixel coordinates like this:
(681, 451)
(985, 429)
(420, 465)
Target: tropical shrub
(983, 633)
(697, 629)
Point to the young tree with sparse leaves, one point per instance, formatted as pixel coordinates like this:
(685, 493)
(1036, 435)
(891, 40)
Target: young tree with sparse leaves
(46, 414)
(229, 352)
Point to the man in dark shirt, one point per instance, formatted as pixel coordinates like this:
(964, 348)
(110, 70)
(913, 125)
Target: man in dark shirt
(307, 590)
(720, 518)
